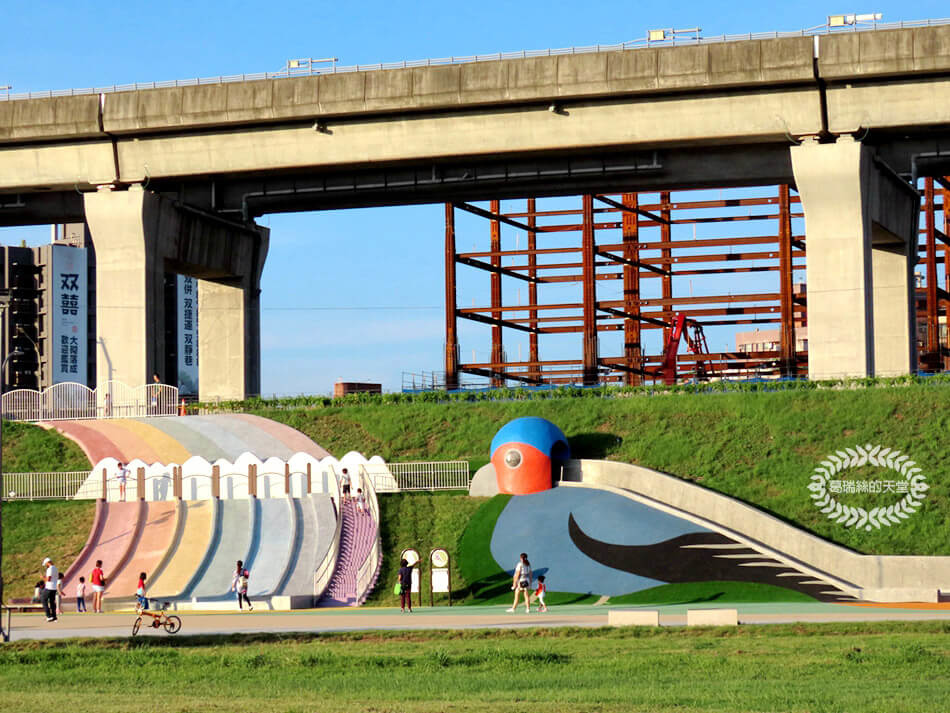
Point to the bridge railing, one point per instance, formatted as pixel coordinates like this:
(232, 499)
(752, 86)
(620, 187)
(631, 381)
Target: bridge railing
(73, 401)
(669, 39)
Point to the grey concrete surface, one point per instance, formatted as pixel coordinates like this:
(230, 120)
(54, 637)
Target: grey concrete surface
(881, 575)
(34, 626)
(278, 530)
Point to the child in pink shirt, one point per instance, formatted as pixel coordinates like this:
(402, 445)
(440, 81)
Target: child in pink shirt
(539, 593)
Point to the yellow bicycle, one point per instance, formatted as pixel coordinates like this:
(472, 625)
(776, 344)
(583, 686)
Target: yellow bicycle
(170, 622)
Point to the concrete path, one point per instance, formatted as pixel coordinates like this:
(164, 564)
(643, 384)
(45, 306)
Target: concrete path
(34, 626)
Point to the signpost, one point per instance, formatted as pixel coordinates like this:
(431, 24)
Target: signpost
(440, 579)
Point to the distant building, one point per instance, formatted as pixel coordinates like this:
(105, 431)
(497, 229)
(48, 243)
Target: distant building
(769, 340)
(51, 316)
(342, 388)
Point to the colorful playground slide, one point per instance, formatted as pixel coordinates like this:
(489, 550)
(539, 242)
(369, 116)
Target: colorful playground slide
(174, 439)
(114, 535)
(299, 578)
(278, 529)
(155, 537)
(195, 534)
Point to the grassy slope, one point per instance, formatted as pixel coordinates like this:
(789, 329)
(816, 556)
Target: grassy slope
(422, 522)
(32, 531)
(31, 449)
(758, 447)
(801, 668)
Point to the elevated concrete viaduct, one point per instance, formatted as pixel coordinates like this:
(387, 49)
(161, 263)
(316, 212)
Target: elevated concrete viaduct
(846, 118)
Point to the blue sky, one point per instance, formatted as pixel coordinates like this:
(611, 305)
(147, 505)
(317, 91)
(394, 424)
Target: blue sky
(326, 271)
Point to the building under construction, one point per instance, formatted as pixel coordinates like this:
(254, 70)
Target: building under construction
(637, 283)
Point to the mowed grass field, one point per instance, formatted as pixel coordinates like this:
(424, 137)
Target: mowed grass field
(899, 668)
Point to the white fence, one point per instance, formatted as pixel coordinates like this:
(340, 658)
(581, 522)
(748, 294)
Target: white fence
(436, 475)
(70, 400)
(47, 486)
(196, 483)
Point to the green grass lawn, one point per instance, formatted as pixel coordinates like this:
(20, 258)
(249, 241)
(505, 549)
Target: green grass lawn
(852, 668)
(31, 449)
(32, 531)
(760, 447)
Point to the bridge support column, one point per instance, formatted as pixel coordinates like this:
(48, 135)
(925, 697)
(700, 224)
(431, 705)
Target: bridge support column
(139, 236)
(229, 340)
(861, 232)
(130, 307)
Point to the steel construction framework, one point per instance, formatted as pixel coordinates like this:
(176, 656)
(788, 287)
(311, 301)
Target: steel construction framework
(646, 246)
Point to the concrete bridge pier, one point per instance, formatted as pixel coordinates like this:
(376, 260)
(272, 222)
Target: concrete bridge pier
(861, 222)
(140, 236)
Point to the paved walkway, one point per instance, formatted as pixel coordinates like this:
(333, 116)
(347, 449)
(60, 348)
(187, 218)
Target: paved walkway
(34, 626)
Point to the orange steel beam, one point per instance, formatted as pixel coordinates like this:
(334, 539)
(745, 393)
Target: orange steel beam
(931, 275)
(787, 329)
(497, 349)
(666, 234)
(632, 347)
(533, 286)
(451, 295)
(589, 291)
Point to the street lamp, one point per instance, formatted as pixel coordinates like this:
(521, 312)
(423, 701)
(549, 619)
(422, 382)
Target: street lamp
(39, 360)
(4, 633)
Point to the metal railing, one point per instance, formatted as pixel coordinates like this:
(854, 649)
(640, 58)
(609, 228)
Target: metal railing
(369, 569)
(86, 485)
(324, 573)
(436, 475)
(74, 401)
(49, 486)
(310, 69)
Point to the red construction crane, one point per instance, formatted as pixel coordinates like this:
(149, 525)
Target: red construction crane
(695, 341)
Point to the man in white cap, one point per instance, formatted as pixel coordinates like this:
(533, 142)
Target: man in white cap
(48, 595)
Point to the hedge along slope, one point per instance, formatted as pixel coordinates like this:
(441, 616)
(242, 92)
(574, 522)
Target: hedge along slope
(759, 447)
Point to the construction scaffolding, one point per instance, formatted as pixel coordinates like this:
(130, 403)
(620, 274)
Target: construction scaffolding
(633, 273)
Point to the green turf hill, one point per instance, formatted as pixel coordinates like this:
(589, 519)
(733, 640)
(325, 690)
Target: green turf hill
(31, 449)
(758, 446)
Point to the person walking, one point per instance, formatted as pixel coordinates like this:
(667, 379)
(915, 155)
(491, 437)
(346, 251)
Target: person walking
(141, 594)
(345, 485)
(539, 594)
(239, 584)
(50, 582)
(98, 582)
(521, 582)
(405, 585)
(81, 595)
(59, 596)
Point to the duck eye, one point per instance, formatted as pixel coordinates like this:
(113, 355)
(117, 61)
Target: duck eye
(513, 458)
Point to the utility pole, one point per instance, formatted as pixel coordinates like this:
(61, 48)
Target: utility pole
(4, 303)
